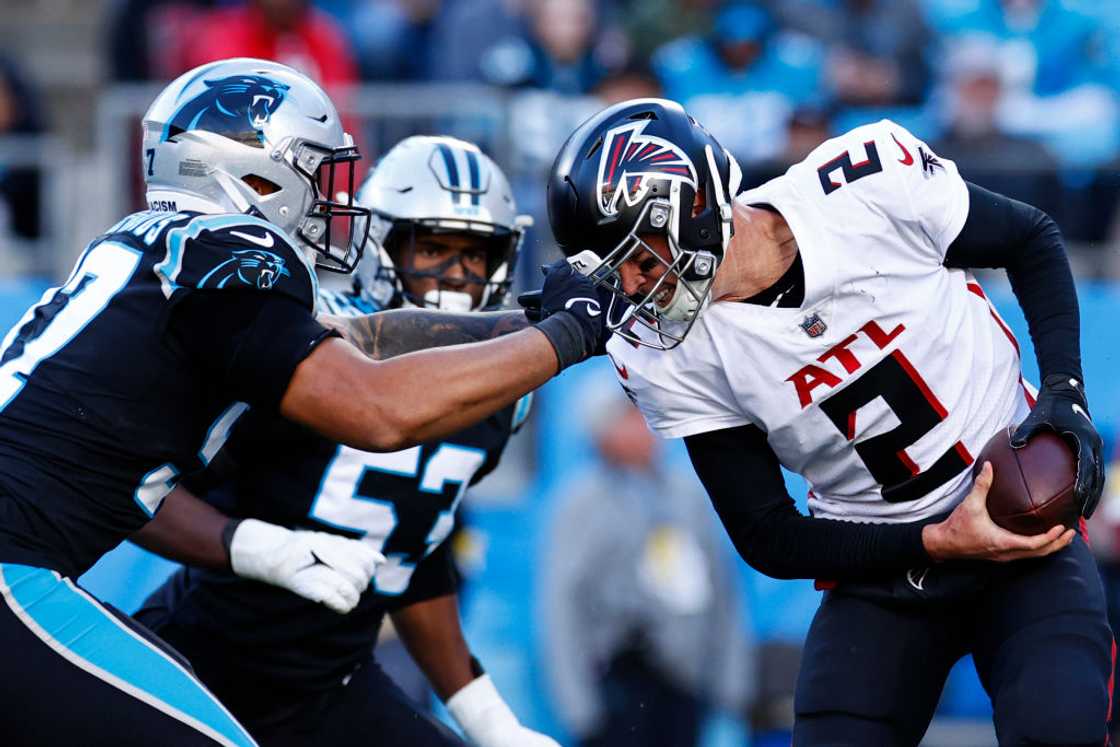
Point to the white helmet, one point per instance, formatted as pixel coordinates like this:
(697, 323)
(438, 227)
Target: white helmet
(438, 185)
(224, 125)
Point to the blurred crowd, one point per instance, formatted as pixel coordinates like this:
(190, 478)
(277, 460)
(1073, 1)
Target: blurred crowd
(1022, 93)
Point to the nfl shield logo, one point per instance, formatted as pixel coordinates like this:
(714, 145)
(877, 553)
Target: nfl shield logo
(813, 325)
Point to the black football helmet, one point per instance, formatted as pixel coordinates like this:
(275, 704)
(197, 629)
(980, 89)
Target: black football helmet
(636, 169)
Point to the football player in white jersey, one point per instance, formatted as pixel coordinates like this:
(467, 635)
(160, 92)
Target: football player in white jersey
(828, 322)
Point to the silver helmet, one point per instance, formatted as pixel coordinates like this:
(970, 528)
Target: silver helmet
(253, 136)
(441, 185)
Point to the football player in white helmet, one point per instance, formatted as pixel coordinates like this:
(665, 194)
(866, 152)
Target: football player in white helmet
(290, 480)
(444, 224)
(174, 323)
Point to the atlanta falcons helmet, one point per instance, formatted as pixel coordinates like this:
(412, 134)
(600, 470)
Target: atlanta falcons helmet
(636, 169)
(253, 136)
(438, 185)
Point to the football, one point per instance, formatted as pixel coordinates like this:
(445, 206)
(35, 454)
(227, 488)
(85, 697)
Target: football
(1032, 487)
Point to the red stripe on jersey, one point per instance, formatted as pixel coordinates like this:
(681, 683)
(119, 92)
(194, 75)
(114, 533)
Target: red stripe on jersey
(910, 465)
(851, 425)
(963, 452)
(921, 384)
(867, 146)
(1027, 393)
(975, 288)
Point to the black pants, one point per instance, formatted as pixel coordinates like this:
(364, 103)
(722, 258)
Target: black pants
(873, 669)
(367, 710)
(75, 672)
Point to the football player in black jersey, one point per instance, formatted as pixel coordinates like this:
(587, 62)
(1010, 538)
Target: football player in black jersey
(174, 323)
(447, 236)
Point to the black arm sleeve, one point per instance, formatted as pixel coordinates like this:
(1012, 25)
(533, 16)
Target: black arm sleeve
(744, 482)
(248, 342)
(1001, 232)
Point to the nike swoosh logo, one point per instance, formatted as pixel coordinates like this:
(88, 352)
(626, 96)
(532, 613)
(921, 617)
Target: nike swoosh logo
(909, 158)
(917, 578)
(621, 369)
(265, 241)
(1080, 411)
(321, 118)
(592, 305)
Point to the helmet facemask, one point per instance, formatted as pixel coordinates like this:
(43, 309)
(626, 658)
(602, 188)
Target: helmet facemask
(668, 313)
(332, 212)
(402, 239)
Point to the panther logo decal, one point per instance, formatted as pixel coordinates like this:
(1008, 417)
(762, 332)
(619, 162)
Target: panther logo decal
(237, 107)
(253, 267)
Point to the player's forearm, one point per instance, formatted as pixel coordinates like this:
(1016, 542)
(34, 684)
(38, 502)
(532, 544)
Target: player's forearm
(187, 530)
(432, 633)
(388, 334)
(422, 396)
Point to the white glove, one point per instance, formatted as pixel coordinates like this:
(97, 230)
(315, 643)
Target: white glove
(488, 721)
(322, 567)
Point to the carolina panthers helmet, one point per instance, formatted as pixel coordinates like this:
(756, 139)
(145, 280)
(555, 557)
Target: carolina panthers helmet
(636, 169)
(438, 185)
(253, 136)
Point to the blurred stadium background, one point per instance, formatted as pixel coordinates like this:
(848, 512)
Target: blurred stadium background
(1023, 94)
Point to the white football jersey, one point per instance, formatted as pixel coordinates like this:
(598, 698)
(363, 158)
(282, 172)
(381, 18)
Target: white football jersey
(895, 371)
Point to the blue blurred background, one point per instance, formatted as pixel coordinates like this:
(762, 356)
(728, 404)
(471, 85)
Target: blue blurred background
(1023, 94)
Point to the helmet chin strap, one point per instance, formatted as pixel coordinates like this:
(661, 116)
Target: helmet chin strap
(445, 300)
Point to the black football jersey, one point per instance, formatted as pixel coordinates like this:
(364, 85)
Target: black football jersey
(403, 502)
(101, 412)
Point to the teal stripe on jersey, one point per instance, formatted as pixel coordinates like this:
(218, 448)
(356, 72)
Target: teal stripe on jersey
(88, 636)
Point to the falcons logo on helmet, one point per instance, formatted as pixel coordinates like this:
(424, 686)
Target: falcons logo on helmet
(630, 160)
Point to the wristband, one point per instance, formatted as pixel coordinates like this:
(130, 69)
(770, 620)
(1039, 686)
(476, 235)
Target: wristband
(227, 538)
(567, 336)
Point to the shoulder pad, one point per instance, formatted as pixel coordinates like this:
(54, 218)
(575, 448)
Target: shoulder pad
(345, 303)
(521, 410)
(236, 252)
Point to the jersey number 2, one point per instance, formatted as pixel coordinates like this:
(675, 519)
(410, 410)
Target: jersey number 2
(340, 504)
(918, 412)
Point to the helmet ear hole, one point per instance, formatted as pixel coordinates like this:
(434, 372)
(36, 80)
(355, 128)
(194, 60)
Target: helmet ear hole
(260, 185)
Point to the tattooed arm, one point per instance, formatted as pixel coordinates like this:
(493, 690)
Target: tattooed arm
(387, 334)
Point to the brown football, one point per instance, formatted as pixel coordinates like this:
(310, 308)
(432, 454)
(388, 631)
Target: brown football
(1032, 487)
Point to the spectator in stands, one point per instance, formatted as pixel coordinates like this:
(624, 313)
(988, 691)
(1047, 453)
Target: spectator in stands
(971, 92)
(1058, 76)
(744, 80)
(466, 32)
(643, 624)
(393, 39)
(652, 23)
(877, 49)
(561, 47)
(20, 115)
(291, 32)
(146, 39)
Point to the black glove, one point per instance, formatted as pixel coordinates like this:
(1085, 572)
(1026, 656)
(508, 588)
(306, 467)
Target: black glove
(1063, 409)
(571, 310)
